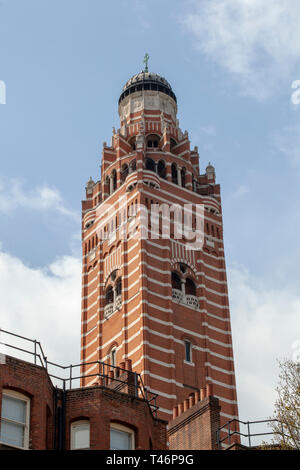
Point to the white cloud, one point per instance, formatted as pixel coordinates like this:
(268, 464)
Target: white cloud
(288, 142)
(43, 304)
(258, 41)
(209, 130)
(13, 196)
(240, 191)
(266, 327)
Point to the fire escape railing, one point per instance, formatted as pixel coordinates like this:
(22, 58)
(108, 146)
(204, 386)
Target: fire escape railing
(107, 375)
(231, 428)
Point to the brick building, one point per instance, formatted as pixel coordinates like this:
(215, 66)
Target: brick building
(155, 312)
(149, 293)
(114, 413)
(36, 414)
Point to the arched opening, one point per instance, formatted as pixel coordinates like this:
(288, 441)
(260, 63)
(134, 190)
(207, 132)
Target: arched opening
(132, 166)
(109, 295)
(190, 288)
(161, 169)
(152, 141)
(107, 185)
(124, 172)
(15, 419)
(80, 435)
(121, 437)
(174, 173)
(183, 172)
(173, 143)
(188, 351)
(176, 281)
(114, 180)
(132, 142)
(113, 356)
(150, 164)
(119, 286)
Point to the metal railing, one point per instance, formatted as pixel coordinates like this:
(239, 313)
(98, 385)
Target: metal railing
(105, 375)
(232, 428)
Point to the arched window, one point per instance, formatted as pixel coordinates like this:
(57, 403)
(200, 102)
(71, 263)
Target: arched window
(161, 169)
(107, 185)
(124, 172)
(14, 420)
(132, 142)
(172, 144)
(113, 356)
(188, 351)
(190, 288)
(152, 141)
(183, 172)
(174, 173)
(114, 179)
(80, 434)
(109, 295)
(121, 437)
(176, 281)
(150, 164)
(119, 286)
(132, 166)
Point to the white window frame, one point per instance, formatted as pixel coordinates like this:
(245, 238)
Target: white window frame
(77, 424)
(113, 356)
(121, 427)
(185, 355)
(26, 400)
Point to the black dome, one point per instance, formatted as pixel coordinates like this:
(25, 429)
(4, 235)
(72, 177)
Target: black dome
(147, 81)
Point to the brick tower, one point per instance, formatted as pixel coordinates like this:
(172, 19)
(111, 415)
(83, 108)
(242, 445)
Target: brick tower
(151, 299)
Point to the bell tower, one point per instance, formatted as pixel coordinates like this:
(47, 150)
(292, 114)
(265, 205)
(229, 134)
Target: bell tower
(152, 298)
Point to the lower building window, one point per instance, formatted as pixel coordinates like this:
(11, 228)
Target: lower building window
(80, 435)
(15, 419)
(121, 437)
(188, 351)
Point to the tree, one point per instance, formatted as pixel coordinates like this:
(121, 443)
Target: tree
(286, 428)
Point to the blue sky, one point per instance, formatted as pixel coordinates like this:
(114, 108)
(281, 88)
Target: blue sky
(231, 65)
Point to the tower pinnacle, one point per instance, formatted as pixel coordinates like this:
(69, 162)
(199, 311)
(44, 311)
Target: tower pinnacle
(146, 58)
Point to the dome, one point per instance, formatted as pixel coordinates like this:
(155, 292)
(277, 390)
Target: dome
(147, 81)
(210, 168)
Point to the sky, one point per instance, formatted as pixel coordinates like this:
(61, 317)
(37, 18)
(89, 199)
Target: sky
(234, 66)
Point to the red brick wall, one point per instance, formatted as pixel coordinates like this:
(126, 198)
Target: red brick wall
(196, 427)
(32, 381)
(98, 404)
(102, 406)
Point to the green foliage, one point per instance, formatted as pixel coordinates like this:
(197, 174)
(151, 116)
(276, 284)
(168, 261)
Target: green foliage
(287, 406)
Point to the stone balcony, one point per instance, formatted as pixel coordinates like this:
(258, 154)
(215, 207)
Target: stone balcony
(109, 309)
(189, 300)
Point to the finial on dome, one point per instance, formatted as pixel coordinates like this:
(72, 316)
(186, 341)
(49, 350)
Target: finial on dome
(210, 172)
(89, 185)
(146, 58)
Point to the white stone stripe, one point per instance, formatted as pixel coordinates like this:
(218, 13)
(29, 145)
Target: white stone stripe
(226, 400)
(222, 384)
(224, 371)
(228, 416)
(193, 333)
(155, 361)
(162, 379)
(224, 332)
